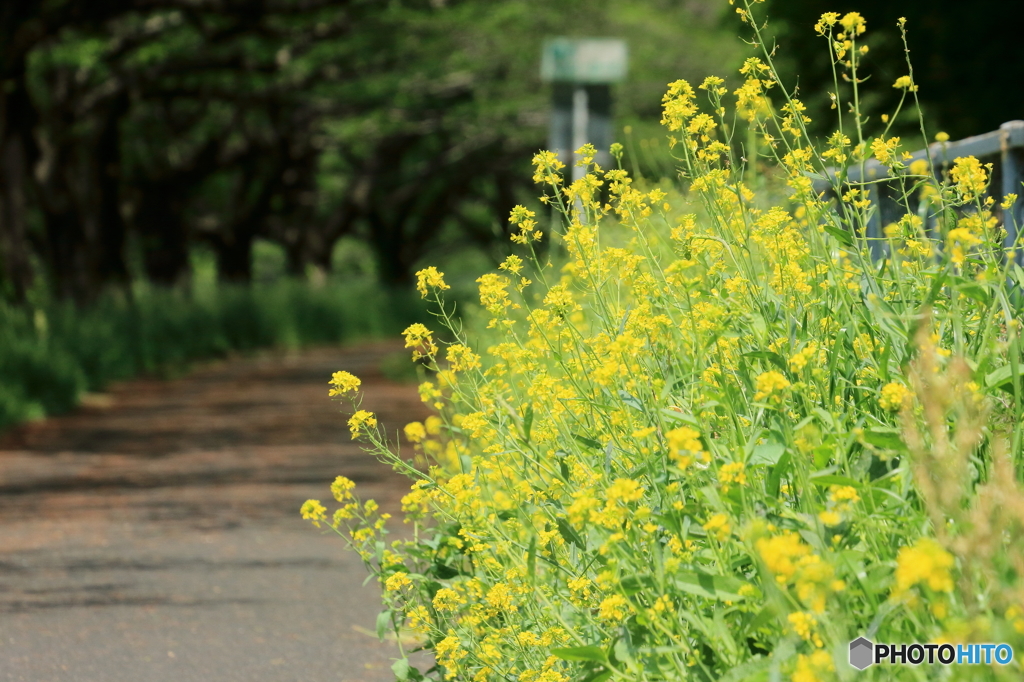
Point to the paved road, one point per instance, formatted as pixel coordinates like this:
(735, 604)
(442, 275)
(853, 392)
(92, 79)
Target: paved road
(154, 535)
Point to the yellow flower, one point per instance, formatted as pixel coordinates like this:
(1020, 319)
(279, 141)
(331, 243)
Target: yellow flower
(718, 526)
(559, 298)
(678, 105)
(313, 511)
(769, 385)
(781, 552)
(419, 619)
(970, 176)
(342, 488)
(827, 21)
(843, 493)
(905, 83)
(924, 563)
(523, 218)
(461, 358)
(396, 581)
(1015, 614)
(500, 597)
(415, 432)
(801, 358)
(713, 84)
(433, 425)
(361, 421)
(804, 624)
(830, 517)
(894, 396)
(421, 340)
(853, 22)
(684, 446)
(613, 609)
(447, 599)
(343, 382)
(885, 150)
(430, 277)
(942, 137)
(449, 653)
(547, 169)
(732, 473)
(513, 264)
(624, 490)
(494, 293)
(579, 589)
(815, 667)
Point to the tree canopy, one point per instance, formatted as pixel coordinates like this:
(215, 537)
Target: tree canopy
(132, 130)
(965, 57)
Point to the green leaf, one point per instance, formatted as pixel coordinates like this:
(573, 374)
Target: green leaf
(589, 442)
(599, 676)
(767, 453)
(834, 479)
(1000, 377)
(844, 237)
(972, 289)
(383, 622)
(775, 478)
(724, 588)
(531, 558)
(676, 416)
(570, 535)
(886, 438)
(581, 653)
(770, 356)
(754, 670)
(563, 467)
(631, 401)
(528, 423)
(401, 669)
(637, 583)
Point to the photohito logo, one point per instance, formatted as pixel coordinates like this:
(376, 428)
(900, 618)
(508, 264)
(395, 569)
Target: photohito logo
(864, 652)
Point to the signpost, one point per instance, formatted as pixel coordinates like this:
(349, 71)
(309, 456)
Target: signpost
(581, 71)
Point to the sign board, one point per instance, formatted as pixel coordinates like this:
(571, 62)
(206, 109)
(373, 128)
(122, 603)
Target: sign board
(584, 60)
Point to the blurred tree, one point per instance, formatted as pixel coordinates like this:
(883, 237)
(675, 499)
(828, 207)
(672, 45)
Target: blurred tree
(148, 126)
(963, 57)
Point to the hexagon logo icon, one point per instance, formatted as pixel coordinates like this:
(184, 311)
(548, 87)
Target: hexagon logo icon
(861, 653)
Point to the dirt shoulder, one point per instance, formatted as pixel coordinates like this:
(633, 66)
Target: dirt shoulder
(154, 534)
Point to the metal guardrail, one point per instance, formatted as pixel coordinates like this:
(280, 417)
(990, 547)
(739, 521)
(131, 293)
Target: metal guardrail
(1007, 143)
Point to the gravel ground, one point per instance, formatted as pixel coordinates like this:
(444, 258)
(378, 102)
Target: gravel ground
(154, 534)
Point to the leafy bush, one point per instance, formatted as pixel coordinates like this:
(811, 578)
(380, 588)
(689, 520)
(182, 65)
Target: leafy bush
(50, 355)
(722, 440)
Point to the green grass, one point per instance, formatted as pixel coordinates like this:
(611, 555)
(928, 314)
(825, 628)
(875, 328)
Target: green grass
(50, 355)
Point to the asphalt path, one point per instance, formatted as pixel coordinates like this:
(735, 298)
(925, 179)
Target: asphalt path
(154, 533)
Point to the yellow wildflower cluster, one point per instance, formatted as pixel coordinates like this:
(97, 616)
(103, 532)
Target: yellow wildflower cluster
(893, 397)
(970, 176)
(342, 383)
(770, 386)
(925, 563)
(361, 421)
(420, 339)
(430, 278)
(674, 444)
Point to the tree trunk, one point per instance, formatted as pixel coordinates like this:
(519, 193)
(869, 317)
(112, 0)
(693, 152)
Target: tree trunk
(234, 257)
(15, 120)
(163, 241)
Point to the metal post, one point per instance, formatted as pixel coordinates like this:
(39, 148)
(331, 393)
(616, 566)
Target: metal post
(873, 231)
(1013, 177)
(560, 132)
(580, 115)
